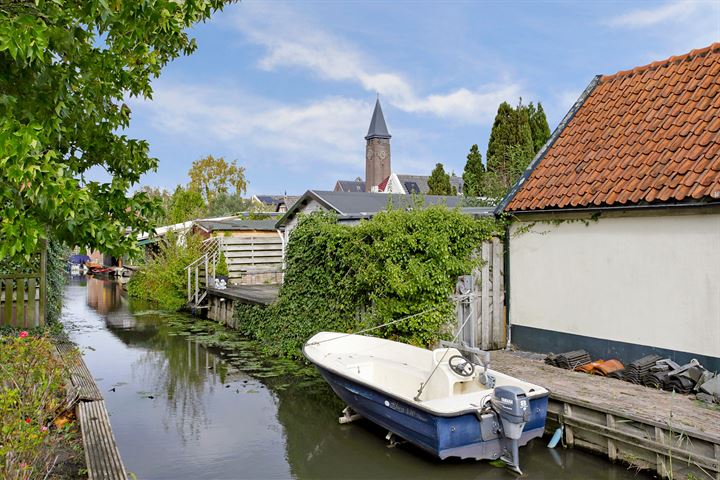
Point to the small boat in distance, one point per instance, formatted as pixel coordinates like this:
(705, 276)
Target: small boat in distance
(435, 399)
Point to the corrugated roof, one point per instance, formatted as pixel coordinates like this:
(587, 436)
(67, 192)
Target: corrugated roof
(236, 224)
(646, 136)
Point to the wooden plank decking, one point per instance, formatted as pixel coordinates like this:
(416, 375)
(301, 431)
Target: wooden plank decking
(657, 407)
(81, 378)
(255, 294)
(641, 426)
(101, 453)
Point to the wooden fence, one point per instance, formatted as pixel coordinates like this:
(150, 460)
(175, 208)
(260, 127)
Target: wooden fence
(23, 295)
(482, 298)
(253, 260)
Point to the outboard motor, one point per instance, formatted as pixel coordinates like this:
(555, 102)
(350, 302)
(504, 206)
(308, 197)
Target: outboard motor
(512, 406)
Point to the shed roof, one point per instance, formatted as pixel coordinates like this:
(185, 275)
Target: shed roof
(646, 136)
(236, 224)
(359, 205)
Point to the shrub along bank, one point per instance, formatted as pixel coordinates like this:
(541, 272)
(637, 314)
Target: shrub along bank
(35, 440)
(163, 279)
(399, 263)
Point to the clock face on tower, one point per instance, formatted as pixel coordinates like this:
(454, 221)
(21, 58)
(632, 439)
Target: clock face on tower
(382, 154)
(369, 154)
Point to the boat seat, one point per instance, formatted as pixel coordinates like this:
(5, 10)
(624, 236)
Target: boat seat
(444, 382)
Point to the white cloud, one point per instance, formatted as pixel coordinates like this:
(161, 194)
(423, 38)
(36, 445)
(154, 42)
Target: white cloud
(293, 42)
(324, 131)
(671, 11)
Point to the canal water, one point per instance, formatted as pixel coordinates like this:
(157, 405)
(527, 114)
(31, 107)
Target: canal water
(182, 408)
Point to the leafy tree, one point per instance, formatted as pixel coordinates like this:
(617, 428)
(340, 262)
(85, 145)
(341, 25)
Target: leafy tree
(539, 127)
(185, 204)
(473, 173)
(224, 203)
(65, 69)
(211, 176)
(162, 197)
(439, 181)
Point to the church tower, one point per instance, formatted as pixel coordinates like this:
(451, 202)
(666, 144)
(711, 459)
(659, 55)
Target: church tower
(377, 150)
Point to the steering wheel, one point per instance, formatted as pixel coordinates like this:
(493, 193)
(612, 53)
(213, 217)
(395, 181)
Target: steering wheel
(461, 365)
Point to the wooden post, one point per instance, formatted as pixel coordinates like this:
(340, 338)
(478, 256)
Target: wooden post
(43, 283)
(612, 448)
(8, 301)
(32, 315)
(486, 317)
(20, 302)
(569, 437)
(189, 289)
(660, 466)
(497, 299)
(207, 273)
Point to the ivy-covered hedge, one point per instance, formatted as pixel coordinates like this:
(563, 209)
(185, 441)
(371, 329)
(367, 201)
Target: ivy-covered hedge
(57, 258)
(397, 264)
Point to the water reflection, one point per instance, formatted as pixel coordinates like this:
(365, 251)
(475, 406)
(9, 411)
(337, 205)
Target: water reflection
(181, 410)
(104, 295)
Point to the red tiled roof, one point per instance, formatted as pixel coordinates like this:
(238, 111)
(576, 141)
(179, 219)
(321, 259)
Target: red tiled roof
(649, 135)
(383, 184)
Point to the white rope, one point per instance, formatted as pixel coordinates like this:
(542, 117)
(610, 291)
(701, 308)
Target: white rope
(377, 326)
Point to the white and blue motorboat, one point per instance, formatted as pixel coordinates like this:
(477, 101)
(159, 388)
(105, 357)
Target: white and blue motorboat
(437, 399)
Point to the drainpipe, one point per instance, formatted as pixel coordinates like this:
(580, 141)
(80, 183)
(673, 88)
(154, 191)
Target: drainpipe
(506, 281)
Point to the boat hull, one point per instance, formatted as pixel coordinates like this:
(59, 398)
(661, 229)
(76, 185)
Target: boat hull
(465, 436)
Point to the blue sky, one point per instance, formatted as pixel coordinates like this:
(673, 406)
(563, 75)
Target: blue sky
(287, 88)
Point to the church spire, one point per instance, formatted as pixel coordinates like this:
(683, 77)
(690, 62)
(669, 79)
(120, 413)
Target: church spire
(377, 150)
(378, 128)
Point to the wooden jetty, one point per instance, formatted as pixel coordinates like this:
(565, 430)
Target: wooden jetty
(221, 303)
(101, 453)
(669, 433)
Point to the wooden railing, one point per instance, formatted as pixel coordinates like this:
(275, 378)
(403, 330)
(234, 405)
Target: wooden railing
(23, 296)
(201, 271)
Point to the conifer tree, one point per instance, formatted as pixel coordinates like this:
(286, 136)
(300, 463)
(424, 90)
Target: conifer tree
(539, 127)
(439, 181)
(511, 128)
(473, 173)
(510, 149)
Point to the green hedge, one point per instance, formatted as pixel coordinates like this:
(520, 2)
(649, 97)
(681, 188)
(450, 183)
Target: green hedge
(398, 264)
